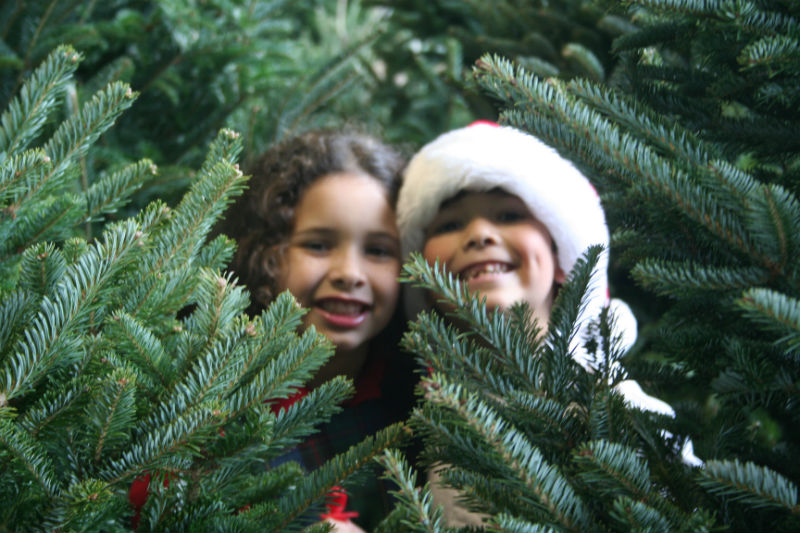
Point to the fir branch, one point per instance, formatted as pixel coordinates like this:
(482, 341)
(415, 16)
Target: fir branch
(200, 207)
(59, 404)
(155, 299)
(28, 111)
(138, 345)
(173, 442)
(756, 486)
(226, 146)
(260, 491)
(16, 310)
(544, 480)
(219, 302)
(42, 267)
(216, 254)
(634, 515)
(653, 34)
(53, 218)
(505, 523)
(90, 505)
(678, 142)
(567, 308)
(589, 65)
(51, 339)
(438, 345)
(283, 375)
(420, 515)
(449, 290)
(41, 19)
(491, 495)
(75, 135)
(112, 192)
(613, 468)
(514, 340)
(773, 221)
(324, 84)
(777, 53)
(229, 461)
(680, 278)
(618, 148)
(776, 312)
(17, 172)
(27, 454)
(317, 407)
(552, 419)
(210, 373)
(336, 471)
(111, 413)
(274, 330)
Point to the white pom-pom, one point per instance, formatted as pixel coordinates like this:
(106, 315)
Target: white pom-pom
(636, 397)
(625, 324)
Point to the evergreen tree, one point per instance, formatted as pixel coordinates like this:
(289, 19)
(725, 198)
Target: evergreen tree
(694, 145)
(128, 359)
(264, 68)
(434, 43)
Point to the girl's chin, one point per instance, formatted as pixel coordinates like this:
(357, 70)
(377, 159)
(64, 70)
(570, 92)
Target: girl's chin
(344, 341)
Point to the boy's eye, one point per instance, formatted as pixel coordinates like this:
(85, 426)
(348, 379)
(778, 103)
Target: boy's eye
(510, 216)
(380, 251)
(445, 226)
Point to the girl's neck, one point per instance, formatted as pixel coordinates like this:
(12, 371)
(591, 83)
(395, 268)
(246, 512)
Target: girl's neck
(344, 362)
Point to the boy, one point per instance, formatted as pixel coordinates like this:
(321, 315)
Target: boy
(510, 217)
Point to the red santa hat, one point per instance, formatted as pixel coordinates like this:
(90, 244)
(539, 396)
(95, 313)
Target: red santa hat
(485, 156)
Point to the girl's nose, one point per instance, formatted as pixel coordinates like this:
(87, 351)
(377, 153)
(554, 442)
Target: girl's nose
(479, 234)
(347, 270)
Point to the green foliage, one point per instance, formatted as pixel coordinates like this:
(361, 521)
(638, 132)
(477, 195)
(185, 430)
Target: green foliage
(434, 43)
(127, 359)
(530, 438)
(692, 142)
(266, 68)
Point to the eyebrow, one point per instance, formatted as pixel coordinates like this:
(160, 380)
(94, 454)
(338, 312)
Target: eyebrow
(315, 230)
(325, 231)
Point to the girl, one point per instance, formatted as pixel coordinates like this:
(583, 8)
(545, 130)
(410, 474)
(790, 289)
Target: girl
(318, 220)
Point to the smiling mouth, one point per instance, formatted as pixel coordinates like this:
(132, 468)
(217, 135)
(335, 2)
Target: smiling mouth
(474, 271)
(342, 307)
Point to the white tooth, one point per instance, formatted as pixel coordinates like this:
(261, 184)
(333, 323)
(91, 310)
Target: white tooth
(490, 268)
(342, 308)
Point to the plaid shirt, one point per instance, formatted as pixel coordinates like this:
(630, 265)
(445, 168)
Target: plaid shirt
(384, 395)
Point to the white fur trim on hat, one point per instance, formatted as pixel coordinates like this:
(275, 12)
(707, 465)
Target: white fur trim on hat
(483, 156)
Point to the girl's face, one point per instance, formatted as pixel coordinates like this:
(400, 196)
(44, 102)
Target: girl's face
(493, 243)
(343, 258)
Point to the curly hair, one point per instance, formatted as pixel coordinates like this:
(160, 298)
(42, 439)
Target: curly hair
(261, 220)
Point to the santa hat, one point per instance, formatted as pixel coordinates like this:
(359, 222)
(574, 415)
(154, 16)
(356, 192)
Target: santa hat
(485, 156)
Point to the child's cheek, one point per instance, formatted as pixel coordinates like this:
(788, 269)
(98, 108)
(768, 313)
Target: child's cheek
(437, 248)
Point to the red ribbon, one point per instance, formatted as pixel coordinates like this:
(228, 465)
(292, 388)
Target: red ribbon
(336, 506)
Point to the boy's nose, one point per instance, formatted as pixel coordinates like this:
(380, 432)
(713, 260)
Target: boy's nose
(479, 233)
(347, 271)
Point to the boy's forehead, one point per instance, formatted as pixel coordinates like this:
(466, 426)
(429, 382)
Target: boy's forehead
(496, 191)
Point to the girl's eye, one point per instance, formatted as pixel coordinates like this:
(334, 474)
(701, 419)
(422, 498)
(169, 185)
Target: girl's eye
(314, 246)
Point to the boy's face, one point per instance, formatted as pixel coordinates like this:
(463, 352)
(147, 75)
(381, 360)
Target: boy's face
(495, 245)
(343, 258)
